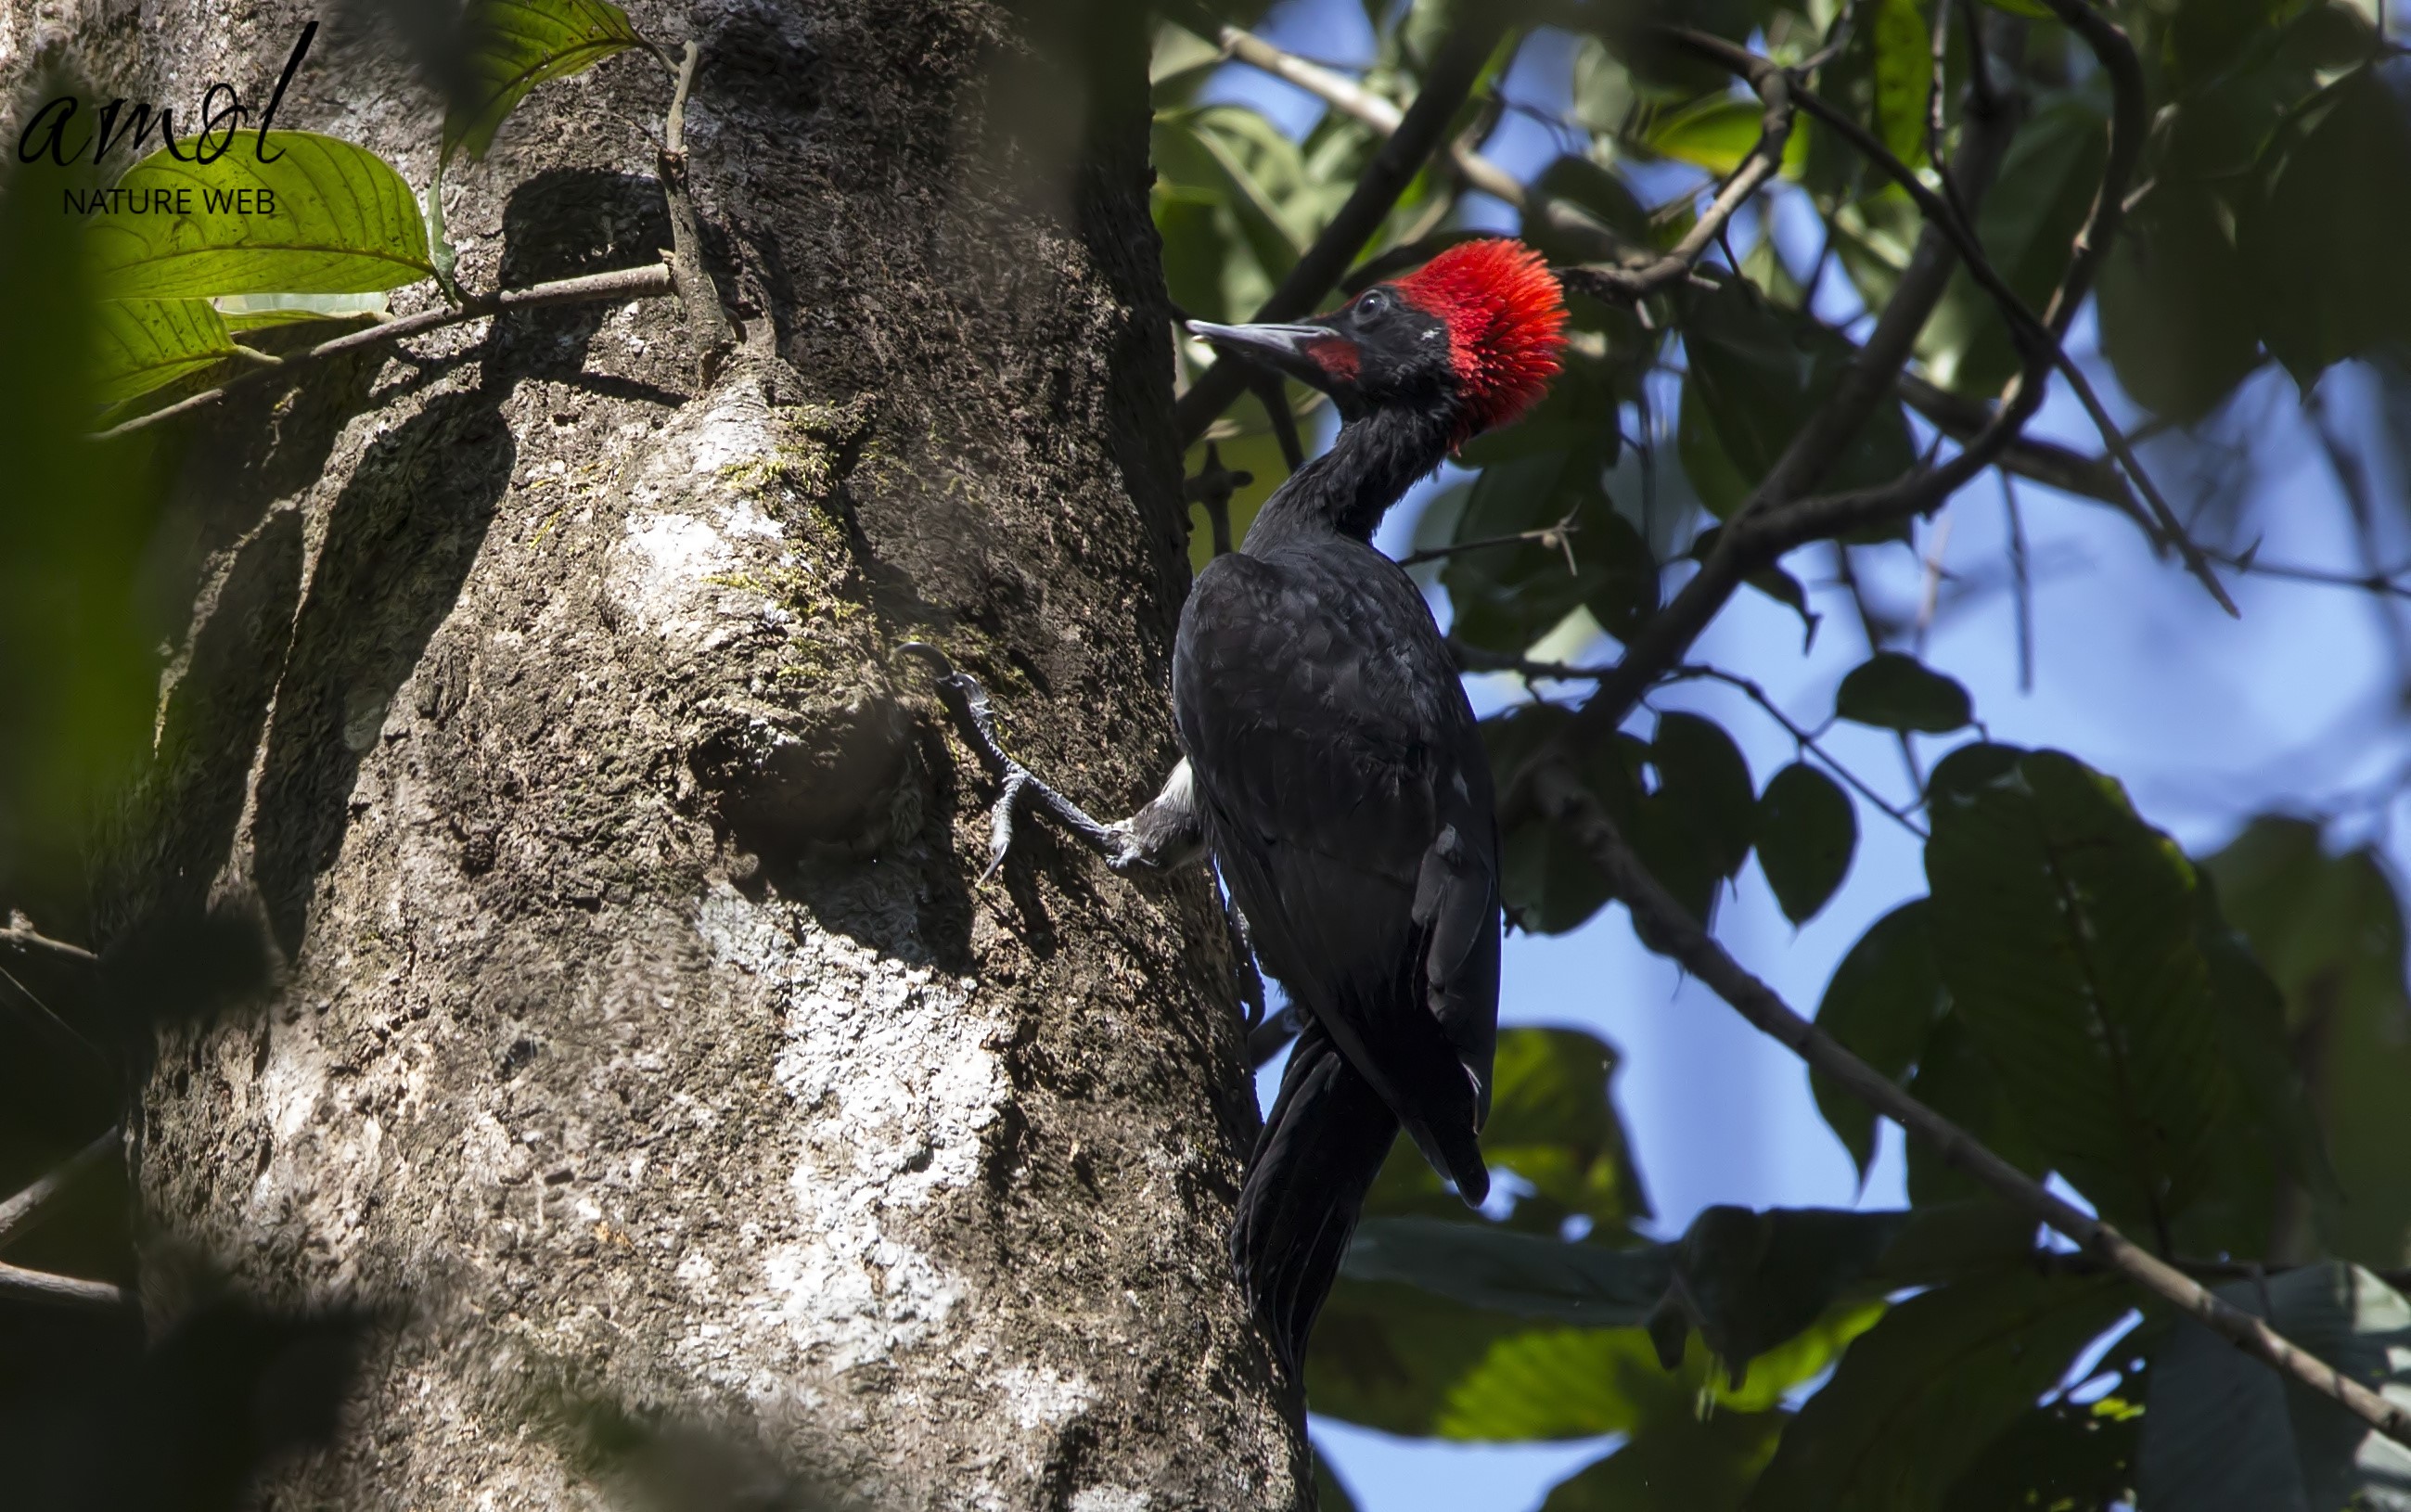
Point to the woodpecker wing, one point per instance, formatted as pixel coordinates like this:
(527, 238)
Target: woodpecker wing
(1348, 800)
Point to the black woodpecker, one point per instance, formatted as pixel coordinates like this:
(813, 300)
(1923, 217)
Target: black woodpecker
(1333, 766)
(1334, 769)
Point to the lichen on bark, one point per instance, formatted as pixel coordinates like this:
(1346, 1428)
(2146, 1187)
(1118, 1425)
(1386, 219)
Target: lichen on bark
(641, 1051)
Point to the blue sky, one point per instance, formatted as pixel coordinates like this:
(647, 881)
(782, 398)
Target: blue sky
(2207, 720)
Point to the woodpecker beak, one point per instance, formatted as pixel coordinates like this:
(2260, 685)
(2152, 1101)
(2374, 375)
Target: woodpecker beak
(1315, 355)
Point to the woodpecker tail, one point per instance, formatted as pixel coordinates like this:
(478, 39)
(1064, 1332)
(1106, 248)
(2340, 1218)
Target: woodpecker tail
(1319, 1151)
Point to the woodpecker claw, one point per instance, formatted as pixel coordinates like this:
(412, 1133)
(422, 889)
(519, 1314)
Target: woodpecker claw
(976, 721)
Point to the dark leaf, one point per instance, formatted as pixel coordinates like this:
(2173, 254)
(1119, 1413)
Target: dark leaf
(2224, 1434)
(1528, 1275)
(1547, 879)
(2061, 1457)
(2322, 243)
(2330, 929)
(1893, 691)
(1807, 832)
(2028, 223)
(1920, 1396)
(1757, 374)
(2177, 318)
(1882, 1005)
(2066, 931)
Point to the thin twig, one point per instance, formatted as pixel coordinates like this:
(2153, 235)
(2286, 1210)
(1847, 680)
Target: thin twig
(2049, 328)
(1566, 802)
(2021, 581)
(1774, 90)
(1342, 94)
(1458, 63)
(24, 936)
(1553, 536)
(644, 283)
(1803, 739)
(22, 1211)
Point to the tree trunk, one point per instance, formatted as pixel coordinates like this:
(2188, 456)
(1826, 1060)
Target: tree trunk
(643, 1052)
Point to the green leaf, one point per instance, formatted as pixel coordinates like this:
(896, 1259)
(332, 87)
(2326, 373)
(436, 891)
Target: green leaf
(514, 46)
(1500, 1270)
(1953, 1078)
(1882, 1005)
(2028, 223)
(1546, 878)
(1757, 374)
(150, 344)
(2322, 247)
(2063, 1455)
(2177, 314)
(1714, 133)
(1552, 1122)
(79, 681)
(1703, 783)
(1904, 77)
(344, 223)
(1751, 1281)
(2224, 1434)
(2065, 931)
(252, 312)
(1578, 1383)
(1807, 832)
(1255, 451)
(2330, 930)
(1893, 691)
(1249, 168)
(1919, 1397)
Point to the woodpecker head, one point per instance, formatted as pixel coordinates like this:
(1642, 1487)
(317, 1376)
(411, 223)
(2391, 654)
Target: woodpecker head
(1472, 336)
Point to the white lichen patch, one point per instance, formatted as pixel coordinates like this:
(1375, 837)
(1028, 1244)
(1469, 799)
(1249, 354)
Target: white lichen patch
(887, 1070)
(1111, 1499)
(700, 559)
(1041, 1397)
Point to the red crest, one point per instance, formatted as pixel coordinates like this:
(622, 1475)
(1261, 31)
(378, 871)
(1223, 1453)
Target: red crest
(1505, 319)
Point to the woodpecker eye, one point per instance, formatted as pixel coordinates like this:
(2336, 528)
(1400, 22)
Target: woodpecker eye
(1375, 304)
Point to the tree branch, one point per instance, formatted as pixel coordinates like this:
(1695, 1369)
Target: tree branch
(2117, 56)
(1566, 802)
(704, 310)
(1454, 67)
(22, 1211)
(645, 282)
(42, 1287)
(1342, 94)
(1775, 90)
(1770, 522)
(21, 936)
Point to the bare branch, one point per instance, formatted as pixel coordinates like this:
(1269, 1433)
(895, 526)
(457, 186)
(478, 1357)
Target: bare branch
(2117, 57)
(19, 935)
(42, 1287)
(22, 1211)
(1566, 802)
(1455, 67)
(644, 283)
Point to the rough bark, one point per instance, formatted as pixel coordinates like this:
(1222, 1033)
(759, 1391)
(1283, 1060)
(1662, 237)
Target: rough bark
(641, 1048)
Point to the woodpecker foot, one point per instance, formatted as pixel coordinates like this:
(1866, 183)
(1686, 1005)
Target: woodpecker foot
(1017, 785)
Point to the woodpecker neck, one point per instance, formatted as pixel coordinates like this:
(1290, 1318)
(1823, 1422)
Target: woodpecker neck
(1347, 489)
